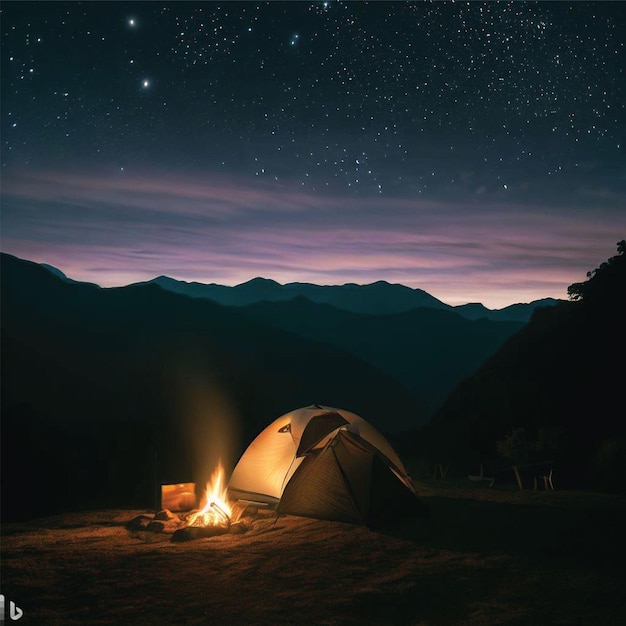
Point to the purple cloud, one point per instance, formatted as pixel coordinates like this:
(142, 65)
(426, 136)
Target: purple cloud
(117, 230)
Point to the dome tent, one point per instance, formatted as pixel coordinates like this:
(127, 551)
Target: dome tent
(325, 463)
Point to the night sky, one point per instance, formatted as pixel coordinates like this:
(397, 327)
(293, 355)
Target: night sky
(474, 150)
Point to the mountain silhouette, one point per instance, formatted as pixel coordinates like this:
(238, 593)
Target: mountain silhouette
(559, 381)
(521, 312)
(429, 350)
(377, 298)
(98, 382)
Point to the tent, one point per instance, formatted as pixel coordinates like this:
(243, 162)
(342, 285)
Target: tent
(325, 463)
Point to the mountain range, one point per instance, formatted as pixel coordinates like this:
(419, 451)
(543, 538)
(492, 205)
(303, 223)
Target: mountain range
(428, 350)
(379, 298)
(418, 340)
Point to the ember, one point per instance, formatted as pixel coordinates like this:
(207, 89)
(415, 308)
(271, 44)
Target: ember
(216, 510)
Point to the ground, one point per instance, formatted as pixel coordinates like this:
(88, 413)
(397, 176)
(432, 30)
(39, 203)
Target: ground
(485, 556)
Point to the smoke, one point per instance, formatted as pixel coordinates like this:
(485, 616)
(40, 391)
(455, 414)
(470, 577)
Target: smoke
(207, 419)
(211, 428)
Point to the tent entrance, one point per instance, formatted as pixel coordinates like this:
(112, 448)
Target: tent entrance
(346, 481)
(320, 489)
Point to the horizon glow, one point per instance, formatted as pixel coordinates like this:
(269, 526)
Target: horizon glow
(114, 232)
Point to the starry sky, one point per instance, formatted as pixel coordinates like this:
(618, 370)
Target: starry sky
(474, 150)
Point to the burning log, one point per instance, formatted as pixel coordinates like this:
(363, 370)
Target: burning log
(190, 533)
(238, 528)
(215, 516)
(216, 511)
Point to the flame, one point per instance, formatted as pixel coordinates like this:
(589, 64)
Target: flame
(216, 511)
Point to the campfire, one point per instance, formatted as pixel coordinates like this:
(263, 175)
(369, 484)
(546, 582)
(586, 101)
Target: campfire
(216, 510)
(216, 515)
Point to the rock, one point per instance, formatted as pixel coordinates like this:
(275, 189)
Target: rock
(155, 527)
(238, 528)
(173, 525)
(166, 515)
(138, 523)
(198, 532)
(187, 534)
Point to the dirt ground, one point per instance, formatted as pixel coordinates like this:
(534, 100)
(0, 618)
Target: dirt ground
(484, 557)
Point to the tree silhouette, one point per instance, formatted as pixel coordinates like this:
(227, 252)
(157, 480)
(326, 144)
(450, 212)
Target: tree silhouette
(518, 449)
(605, 281)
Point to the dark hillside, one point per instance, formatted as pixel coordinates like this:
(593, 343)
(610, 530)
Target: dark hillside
(559, 382)
(429, 350)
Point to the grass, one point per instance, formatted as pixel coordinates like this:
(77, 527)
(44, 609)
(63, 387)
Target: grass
(485, 557)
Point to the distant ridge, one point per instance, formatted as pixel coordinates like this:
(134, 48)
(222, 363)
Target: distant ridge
(55, 271)
(428, 350)
(377, 298)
